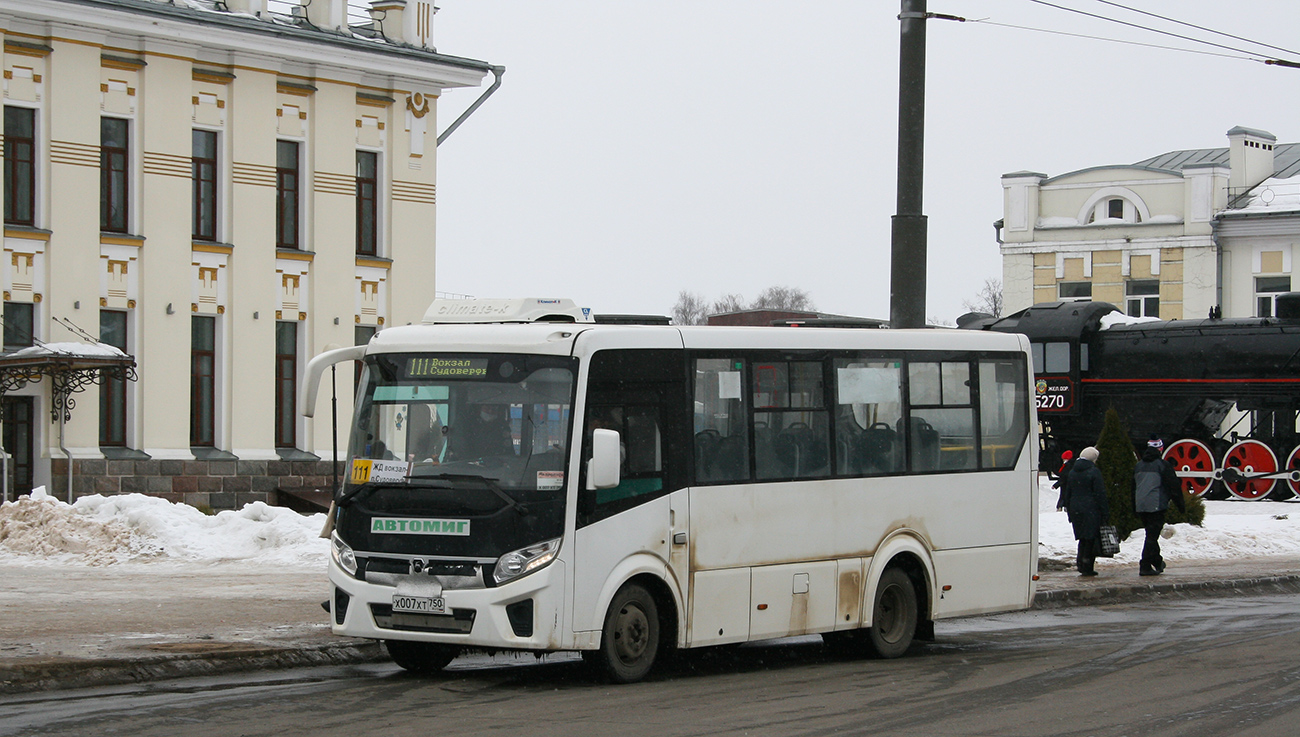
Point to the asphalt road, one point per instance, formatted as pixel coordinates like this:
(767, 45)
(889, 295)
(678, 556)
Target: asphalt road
(1192, 667)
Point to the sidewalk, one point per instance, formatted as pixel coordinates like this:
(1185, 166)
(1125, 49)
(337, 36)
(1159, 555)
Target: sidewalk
(69, 627)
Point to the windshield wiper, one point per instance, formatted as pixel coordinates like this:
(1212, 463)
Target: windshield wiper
(490, 483)
(347, 498)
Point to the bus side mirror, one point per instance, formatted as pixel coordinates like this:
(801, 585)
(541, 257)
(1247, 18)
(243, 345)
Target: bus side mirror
(603, 466)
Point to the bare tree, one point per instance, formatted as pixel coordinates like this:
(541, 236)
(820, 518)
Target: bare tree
(783, 298)
(728, 303)
(690, 309)
(989, 299)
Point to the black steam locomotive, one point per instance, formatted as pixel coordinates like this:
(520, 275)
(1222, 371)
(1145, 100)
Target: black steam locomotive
(1226, 391)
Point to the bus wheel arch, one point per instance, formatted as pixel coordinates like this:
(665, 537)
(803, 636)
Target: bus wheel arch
(904, 560)
(638, 630)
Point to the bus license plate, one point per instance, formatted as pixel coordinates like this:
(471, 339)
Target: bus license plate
(419, 604)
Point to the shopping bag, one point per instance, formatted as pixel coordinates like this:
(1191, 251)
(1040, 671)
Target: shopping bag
(1109, 541)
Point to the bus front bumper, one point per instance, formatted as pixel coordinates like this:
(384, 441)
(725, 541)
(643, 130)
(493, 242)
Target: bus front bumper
(522, 614)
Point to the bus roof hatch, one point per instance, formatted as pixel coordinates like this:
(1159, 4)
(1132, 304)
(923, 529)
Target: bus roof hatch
(530, 309)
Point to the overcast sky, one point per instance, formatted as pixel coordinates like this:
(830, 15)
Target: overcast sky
(636, 149)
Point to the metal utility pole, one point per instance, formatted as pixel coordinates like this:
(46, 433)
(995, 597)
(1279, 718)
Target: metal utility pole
(908, 232)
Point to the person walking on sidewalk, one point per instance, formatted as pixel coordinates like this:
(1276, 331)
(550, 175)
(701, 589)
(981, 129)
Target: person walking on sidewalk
(1154, 484)
(1084, 498)
(1058, 478)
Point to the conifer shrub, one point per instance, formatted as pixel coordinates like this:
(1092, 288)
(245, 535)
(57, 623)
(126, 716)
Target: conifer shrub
(1116, 462)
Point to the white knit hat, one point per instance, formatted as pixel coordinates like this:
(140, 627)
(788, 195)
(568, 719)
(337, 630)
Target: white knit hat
(1090, 453)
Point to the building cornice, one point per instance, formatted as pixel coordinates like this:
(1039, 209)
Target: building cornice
(1117, 244)
(226, 33)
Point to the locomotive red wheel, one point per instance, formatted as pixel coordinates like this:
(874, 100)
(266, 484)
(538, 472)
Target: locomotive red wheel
(1249, 457)
(1194, 464)
(1293, 466)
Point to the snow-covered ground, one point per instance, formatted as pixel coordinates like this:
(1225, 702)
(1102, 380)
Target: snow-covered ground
(1232, 529)
(133, 529)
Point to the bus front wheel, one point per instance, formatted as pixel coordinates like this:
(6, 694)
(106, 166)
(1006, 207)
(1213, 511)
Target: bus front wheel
(421, 657)
(629, 640)
(893, 616)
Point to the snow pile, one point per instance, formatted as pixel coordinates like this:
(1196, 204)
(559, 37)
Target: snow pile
(1233, 529)
(134, 528)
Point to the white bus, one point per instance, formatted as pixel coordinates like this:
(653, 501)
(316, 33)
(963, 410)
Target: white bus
(546, 482)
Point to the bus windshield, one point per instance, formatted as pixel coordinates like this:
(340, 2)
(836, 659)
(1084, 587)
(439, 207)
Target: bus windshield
(499, 418)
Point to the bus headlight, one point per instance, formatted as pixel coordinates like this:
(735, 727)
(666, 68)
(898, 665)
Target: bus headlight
(343, 555)
(525, 560)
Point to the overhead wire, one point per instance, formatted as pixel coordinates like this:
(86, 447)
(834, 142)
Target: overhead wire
(1248, 57)
(1239, 54)
(1142, 27)
(1199, 28)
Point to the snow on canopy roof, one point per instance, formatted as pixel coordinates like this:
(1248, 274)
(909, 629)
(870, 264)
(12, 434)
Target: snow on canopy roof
(78, 350)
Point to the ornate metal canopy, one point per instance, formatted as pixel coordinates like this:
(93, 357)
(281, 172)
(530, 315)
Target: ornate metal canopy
(71, 367)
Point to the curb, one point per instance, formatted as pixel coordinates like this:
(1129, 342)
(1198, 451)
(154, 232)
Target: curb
(61, 673)
(1185, 589)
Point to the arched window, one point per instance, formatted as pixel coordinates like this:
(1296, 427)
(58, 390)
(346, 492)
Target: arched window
(1114, 209)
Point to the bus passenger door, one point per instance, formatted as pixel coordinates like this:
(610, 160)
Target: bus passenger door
(629, 530)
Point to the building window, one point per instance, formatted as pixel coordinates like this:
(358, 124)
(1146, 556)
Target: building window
(286, 194)
(204, 167)
(20, 320)
(1143, 297)
(1115, 208)
(203, 380)
(1074, 291)
(113, 192)
(20, 166)
(112, 392)
(367, 202)
(361, 336)
(1267, 288)
(286, 384)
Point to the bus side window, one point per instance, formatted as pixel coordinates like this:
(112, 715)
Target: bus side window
(721, 446)
(869, 397)
(942, 416)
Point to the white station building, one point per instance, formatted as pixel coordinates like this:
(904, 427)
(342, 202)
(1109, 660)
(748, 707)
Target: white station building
(221, 189)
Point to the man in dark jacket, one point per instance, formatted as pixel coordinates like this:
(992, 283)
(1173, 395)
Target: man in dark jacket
(1155, 484)
(1084, 497)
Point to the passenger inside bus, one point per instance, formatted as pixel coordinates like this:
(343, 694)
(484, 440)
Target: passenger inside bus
(485, 435)
(426, 441)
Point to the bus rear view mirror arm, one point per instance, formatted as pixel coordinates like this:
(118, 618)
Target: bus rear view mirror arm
(316, 367)
(603, 467)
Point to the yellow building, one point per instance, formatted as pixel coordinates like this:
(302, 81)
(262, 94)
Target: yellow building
(1171, 236)
(222, 191)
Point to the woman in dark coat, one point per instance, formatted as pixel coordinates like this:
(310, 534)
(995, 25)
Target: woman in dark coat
(1084, 497)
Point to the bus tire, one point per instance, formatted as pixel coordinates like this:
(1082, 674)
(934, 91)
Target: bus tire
(893, 615)
(421, 657)
(629, 640)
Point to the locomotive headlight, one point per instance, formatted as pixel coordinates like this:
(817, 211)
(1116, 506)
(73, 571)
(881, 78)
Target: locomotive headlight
(525, 560)
(343, 555)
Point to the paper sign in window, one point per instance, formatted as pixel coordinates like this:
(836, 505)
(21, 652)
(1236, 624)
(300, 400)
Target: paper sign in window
(868, 385)
(729, 385)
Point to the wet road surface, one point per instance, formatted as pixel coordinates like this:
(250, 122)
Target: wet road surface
(1199, 667)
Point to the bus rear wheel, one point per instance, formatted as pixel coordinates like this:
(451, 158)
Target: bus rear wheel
(893, 615)
(421, 657)
(629, 640)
